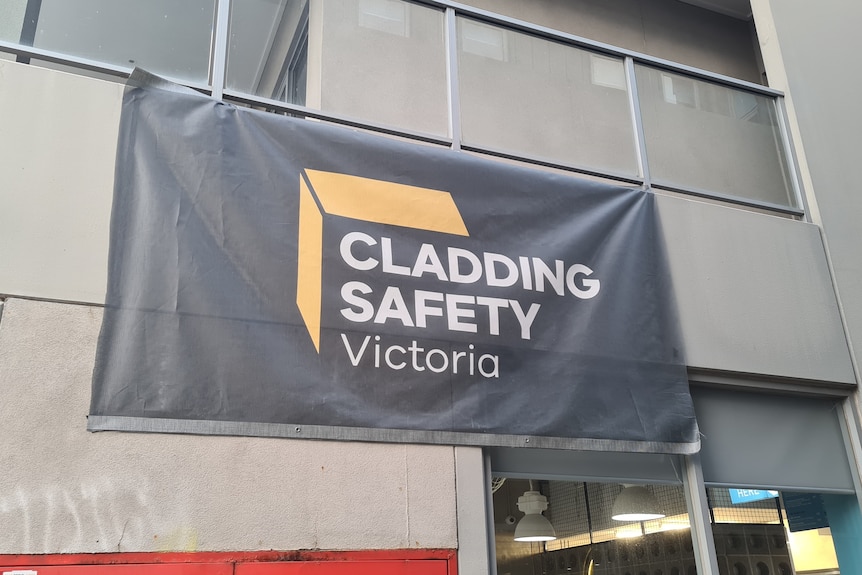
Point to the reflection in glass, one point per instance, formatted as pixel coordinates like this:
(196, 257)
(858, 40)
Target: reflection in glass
(589, 540)
(163, 36)
(531, 96)
(704, 136)
(379, 61)
(781, 533)
(11, 21)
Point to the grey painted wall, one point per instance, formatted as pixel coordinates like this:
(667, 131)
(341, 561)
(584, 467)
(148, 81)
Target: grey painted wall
(819, 44)
(754, 292)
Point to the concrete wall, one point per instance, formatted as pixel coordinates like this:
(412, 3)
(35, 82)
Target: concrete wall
(811, 51)
(64, 489)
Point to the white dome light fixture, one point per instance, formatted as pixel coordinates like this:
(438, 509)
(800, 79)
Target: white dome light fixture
(534, 526)
(636, 503)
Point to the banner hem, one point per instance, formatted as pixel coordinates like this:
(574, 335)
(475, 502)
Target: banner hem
(97, 423)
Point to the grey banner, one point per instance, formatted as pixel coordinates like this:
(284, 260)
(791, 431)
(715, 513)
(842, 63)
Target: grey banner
(269, 274)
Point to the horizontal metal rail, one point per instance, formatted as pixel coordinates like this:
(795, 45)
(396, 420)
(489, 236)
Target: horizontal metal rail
(303, 112)
(119, 72)
(739, 200)
(548, 163)
(59, 58)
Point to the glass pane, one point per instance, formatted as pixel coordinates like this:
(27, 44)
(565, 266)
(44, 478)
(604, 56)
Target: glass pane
(11, 18)
(163, 36)
(530, 96)
(587, 537)
(381, 61)
(704, 136)
(763, 532)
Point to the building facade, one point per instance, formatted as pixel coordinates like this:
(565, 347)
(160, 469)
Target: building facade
(738, 116)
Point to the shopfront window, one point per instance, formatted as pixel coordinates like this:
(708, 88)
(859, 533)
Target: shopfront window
(591, 528)
(771, 532)
(809, 521)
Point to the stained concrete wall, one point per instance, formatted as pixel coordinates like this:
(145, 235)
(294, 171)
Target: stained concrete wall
(64, 489)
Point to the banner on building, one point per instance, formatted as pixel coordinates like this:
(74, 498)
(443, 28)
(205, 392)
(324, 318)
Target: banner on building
(283, 277)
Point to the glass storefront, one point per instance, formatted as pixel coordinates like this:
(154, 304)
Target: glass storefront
(560, 527)
(597, 528)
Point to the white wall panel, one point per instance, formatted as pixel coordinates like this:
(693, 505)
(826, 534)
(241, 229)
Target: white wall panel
(58, 137)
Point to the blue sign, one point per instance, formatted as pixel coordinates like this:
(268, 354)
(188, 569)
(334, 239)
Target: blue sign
(749, 495)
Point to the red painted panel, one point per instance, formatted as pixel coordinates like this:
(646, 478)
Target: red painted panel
(164, 569)
(372, 562)
(406, 567)
(226, 557)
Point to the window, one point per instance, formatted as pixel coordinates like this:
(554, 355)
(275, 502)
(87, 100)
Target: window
(607, 72)
(293, 87)
(483, 40)
(390, 16)
(596, 528)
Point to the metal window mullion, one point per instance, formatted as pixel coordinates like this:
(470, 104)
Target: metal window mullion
(790, 156)
(637, 122)
(219, 48)
(29, 27)
(489, 514)
(698, 516)
(848, 417)
(453, 85)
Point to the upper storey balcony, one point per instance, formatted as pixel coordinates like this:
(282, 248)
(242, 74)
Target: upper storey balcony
(661, 94)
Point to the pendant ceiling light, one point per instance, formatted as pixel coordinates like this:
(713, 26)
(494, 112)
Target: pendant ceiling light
(636, 503)
(534, 526)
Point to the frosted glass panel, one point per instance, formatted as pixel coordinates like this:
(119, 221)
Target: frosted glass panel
(379, 61)
(713, 138)
(530, 96)
(163, 36)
